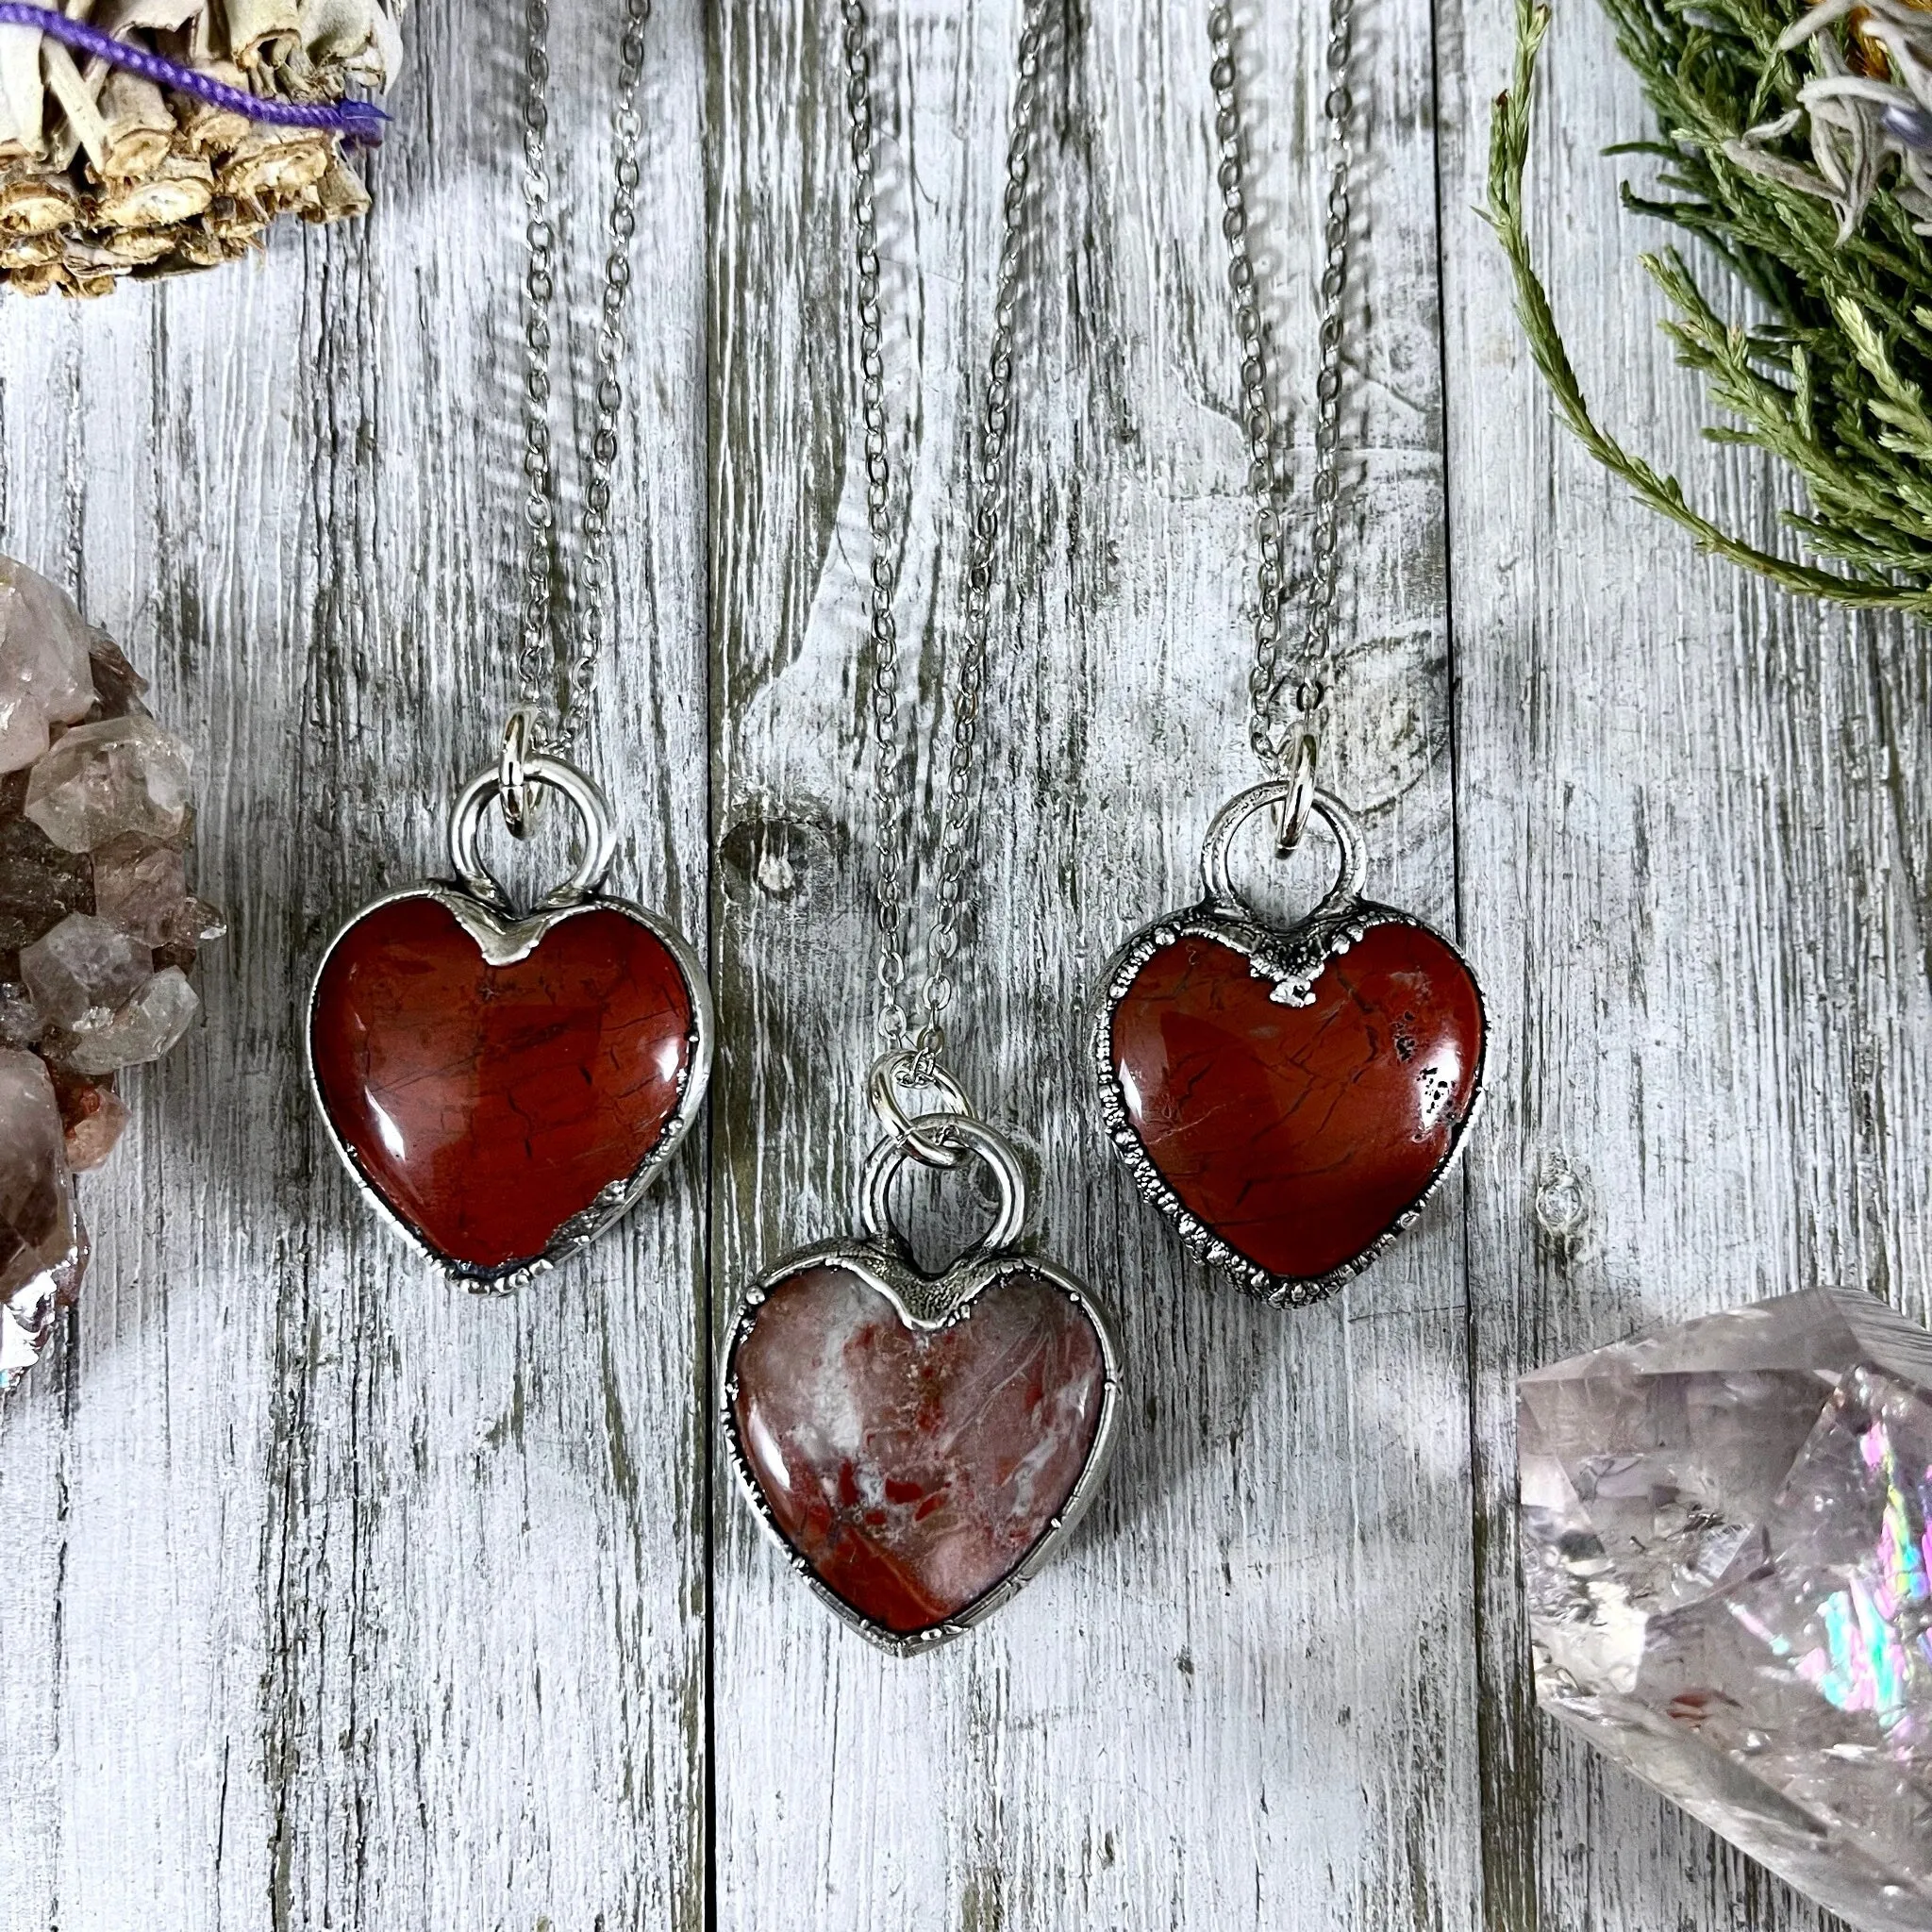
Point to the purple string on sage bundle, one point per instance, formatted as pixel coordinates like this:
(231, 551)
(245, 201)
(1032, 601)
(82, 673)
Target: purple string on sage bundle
(360, 122)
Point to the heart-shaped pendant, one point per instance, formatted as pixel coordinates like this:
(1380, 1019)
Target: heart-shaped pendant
(1288, 1098)
(505, 1087)
(919, 1446)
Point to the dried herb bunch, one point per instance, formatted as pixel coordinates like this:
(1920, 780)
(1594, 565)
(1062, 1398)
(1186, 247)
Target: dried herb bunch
(104, 174)
(1792, 145)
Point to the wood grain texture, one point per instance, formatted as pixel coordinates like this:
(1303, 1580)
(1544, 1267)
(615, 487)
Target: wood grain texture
(335, 1598)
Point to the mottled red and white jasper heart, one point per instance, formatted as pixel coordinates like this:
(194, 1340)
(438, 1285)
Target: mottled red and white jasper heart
(918, 1470)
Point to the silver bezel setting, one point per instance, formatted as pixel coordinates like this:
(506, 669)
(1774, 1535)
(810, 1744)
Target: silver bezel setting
(503, 939)
(1293, 960)
(928, 1303)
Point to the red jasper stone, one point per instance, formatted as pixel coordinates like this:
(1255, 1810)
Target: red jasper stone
(1301, 1134)
(487, 1105)
(915, 1469)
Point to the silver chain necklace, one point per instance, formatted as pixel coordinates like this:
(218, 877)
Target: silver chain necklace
(556, 683)
(956, 812)
(1284, 699)
(503, 1083)
(1289, 1095)
(878, 1473)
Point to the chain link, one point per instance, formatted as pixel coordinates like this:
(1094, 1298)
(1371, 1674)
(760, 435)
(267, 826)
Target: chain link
(1285, 698)
(557, 674)
(955, 809)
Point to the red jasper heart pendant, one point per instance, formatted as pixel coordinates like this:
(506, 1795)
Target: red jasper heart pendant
(919, 1446)
(1290, 1098)
(503, 1086)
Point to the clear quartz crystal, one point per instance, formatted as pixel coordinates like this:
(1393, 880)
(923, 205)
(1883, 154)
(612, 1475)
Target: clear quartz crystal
(1724, 1546)
(22, 730)
(19, 1023)
(80, 973)
(142, 1030)
(44, 675)
(41, 1246)
(116, 776)
(142, 886)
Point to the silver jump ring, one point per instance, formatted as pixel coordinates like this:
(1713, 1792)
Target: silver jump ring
(889, 1073)
(597, 844)
(973, 1137)
(514, 791)
(1351, 866)
(1291, 815)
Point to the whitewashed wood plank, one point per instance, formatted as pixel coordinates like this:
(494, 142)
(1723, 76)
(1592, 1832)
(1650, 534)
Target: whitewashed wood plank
(134, 1615)
(1244, 1696)
(1685, 808)
(368, 1603)
(427, 1576)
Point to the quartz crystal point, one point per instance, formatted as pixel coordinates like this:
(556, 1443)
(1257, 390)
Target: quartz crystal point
(142, 1030)
(80, 973)
(20, 1024)
(1724, 1546)
(141, 886)
(41, 1246)
(116, 776)
(45, 675)
(92, 1118)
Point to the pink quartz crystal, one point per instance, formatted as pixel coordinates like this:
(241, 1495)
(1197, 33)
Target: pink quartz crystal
(141, 885)
(81, 973)
(109, 776)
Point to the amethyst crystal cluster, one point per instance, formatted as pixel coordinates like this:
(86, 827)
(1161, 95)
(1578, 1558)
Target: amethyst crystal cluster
(97, 929)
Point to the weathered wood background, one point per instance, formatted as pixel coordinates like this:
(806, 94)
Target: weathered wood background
(333, 1598)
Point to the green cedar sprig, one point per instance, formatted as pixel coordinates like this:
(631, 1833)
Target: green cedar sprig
(1835, 381)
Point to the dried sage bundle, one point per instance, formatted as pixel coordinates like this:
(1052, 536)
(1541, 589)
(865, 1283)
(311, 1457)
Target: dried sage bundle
(104, 174)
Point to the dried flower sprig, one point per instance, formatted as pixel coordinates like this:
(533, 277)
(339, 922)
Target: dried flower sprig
(1834, 382)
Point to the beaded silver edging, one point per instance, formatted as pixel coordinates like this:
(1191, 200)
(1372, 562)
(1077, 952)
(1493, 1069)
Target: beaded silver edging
(1294, 959)
(922, 1301)
(502, 938)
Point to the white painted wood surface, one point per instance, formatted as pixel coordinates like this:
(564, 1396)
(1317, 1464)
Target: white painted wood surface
(332, 1598)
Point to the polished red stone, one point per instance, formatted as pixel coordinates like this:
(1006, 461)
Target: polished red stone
(913, 1469)
(487, 1105)
(1300, 1134)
